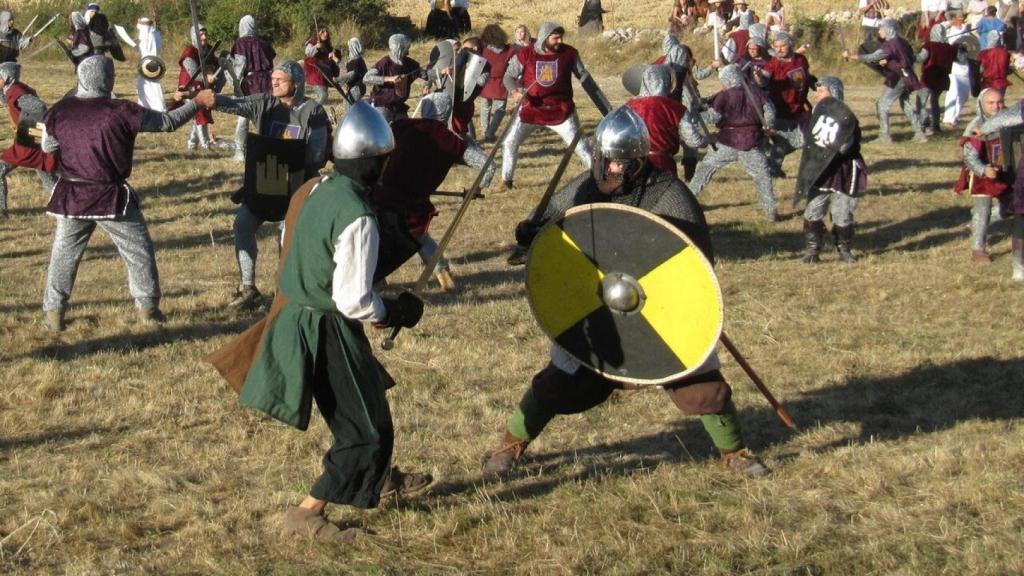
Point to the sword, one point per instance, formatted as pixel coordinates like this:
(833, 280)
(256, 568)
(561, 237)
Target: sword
(752, 100)
(718, 47)
(327, 76)
(195, 27)
(428, 269)
(30, 24)
(44, 27)
(453, 193)
(776, 405)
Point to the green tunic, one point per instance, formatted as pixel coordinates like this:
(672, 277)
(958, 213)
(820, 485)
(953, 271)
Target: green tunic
(281, 379)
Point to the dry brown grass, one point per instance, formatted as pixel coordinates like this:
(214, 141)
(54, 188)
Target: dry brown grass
(122, 453)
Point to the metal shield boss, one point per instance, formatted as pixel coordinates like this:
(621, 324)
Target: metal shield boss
(152, 68)
(470, 67)
(274, 169)
(625, 293)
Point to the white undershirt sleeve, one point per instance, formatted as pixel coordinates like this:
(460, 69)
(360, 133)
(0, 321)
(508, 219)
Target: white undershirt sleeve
(355, 259)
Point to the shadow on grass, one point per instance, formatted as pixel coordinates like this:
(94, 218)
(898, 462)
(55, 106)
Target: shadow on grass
(926, 399)
(57, 437)
(881, 237)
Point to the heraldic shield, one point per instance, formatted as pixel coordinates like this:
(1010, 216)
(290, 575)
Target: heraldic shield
(274, 169)
(625, 293)
(832, 128)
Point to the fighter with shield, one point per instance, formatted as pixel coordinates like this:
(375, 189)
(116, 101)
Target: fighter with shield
(667, 120)
(604, 284)
(288, 148)
(832, 172)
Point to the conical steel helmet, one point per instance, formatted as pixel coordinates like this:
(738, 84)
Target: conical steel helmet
(363, 133)
(621, 135)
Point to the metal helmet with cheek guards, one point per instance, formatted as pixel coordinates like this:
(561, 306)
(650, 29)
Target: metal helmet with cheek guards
(363, 133)
(622, 136)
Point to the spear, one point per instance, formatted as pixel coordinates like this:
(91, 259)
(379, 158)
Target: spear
(776, 405)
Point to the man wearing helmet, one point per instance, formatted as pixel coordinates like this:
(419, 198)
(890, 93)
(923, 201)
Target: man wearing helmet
(285, 113)
(621, 173)
(313, 345)
(542, 74)
(897, 61)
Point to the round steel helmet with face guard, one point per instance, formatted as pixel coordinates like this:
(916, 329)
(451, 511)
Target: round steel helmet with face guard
(622, 136)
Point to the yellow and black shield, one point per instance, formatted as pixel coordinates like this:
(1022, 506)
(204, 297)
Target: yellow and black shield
(625, 293)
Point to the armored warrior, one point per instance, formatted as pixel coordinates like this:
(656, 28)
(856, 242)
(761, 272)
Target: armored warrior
(494, 95)
(312, 345)
(425, 150)
(101, 34)
(472, 72)
(151, 94)
(542, 74)
(11, 40)
(189, 62)
(679, 58)
(391, 77)
(981, 176)
(355, 70)
(936, 58)
(320, 59)
(897, 61)
(96, 138)
(252, 59)
(284, 114)
(81, 41)
(995, 63)
(735, 44)
(26, 109)
(832, 172)
(740, 134)
(665, 118)
(789, 79)
(621, 174)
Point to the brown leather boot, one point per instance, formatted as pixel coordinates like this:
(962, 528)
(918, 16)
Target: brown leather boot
(499, 462)
(744, 462)
(813, 232)
(844, 238)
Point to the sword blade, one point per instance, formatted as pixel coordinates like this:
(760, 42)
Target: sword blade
(30, 24)
(194, 12)
(45, 26)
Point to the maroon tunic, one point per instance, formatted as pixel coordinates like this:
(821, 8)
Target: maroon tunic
(936, 69)
(387, 96)
(358, 66)
(995, 67)
(425, 150)
(25, 155)
(740, 39)
(788, 86)
(899, 64)
(548, 77)
(494, 89)
(312, 65)
(661, 115)
(259, 59)
(204, 116)
(740, 128)
(980, 186)
(97, 142)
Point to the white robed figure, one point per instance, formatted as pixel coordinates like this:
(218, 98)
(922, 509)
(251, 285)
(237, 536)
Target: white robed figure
(151, 94)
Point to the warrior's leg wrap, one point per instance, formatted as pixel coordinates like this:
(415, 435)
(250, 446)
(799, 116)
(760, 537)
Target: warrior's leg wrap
(724, 428)
(193, 136)
(492, 125)
(713, 161)
(246, 246)
(204, 135)
(885, 101)
(756, 165)
(555, 392)
(69, 241)
(567, 130)
(428, 246)
(936, 110)
(5, 169)
(130, 236)
(909, 103)
(485, 115)
(510, 148)
(841, 207)
(923, 105)
(980, 215)
(1018, 248)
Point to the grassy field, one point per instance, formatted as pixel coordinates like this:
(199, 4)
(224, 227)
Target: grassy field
(121, 452)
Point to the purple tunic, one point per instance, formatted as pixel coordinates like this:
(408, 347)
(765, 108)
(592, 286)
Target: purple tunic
(82, 37)
(899, 64)
(358, 67)
(740, 128)
(97, 142)
(259, 58)
(387, 96)
(847, 173)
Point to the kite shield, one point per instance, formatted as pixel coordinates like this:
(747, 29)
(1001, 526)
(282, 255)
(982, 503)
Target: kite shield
(625, 293)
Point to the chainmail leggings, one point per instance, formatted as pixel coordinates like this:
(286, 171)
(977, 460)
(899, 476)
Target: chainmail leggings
(130, 236)
(754, 162)
(981, 216)
(908, 101)
(839, 205)
(489, 122)
(246, 247)
(520, 130)
(47, 179)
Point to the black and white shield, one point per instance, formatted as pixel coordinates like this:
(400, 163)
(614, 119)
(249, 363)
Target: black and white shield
(274, 169)
(831, 127)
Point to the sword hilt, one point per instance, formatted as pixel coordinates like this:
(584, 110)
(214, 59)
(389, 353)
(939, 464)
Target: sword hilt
(388, 342)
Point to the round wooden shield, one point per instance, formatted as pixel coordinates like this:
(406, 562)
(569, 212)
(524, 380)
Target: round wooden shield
(625, 293)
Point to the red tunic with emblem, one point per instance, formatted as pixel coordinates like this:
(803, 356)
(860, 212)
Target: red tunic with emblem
(312, 65)
(979, 185)
(425, 150)
(204, 116)
(661, 115)
(995, 67)
(788, 86)
(548, 101)
(25, 155)
(936, 69)
(494, 89)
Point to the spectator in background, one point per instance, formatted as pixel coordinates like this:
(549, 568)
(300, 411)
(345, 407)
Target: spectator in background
(976, 11)
(460, 14)
(960, 75)
(523, 38)
(932, 12)
(870, 18)
(989, 23)
(775, 17)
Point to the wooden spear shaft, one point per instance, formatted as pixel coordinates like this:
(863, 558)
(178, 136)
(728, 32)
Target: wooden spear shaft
(776, 405)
